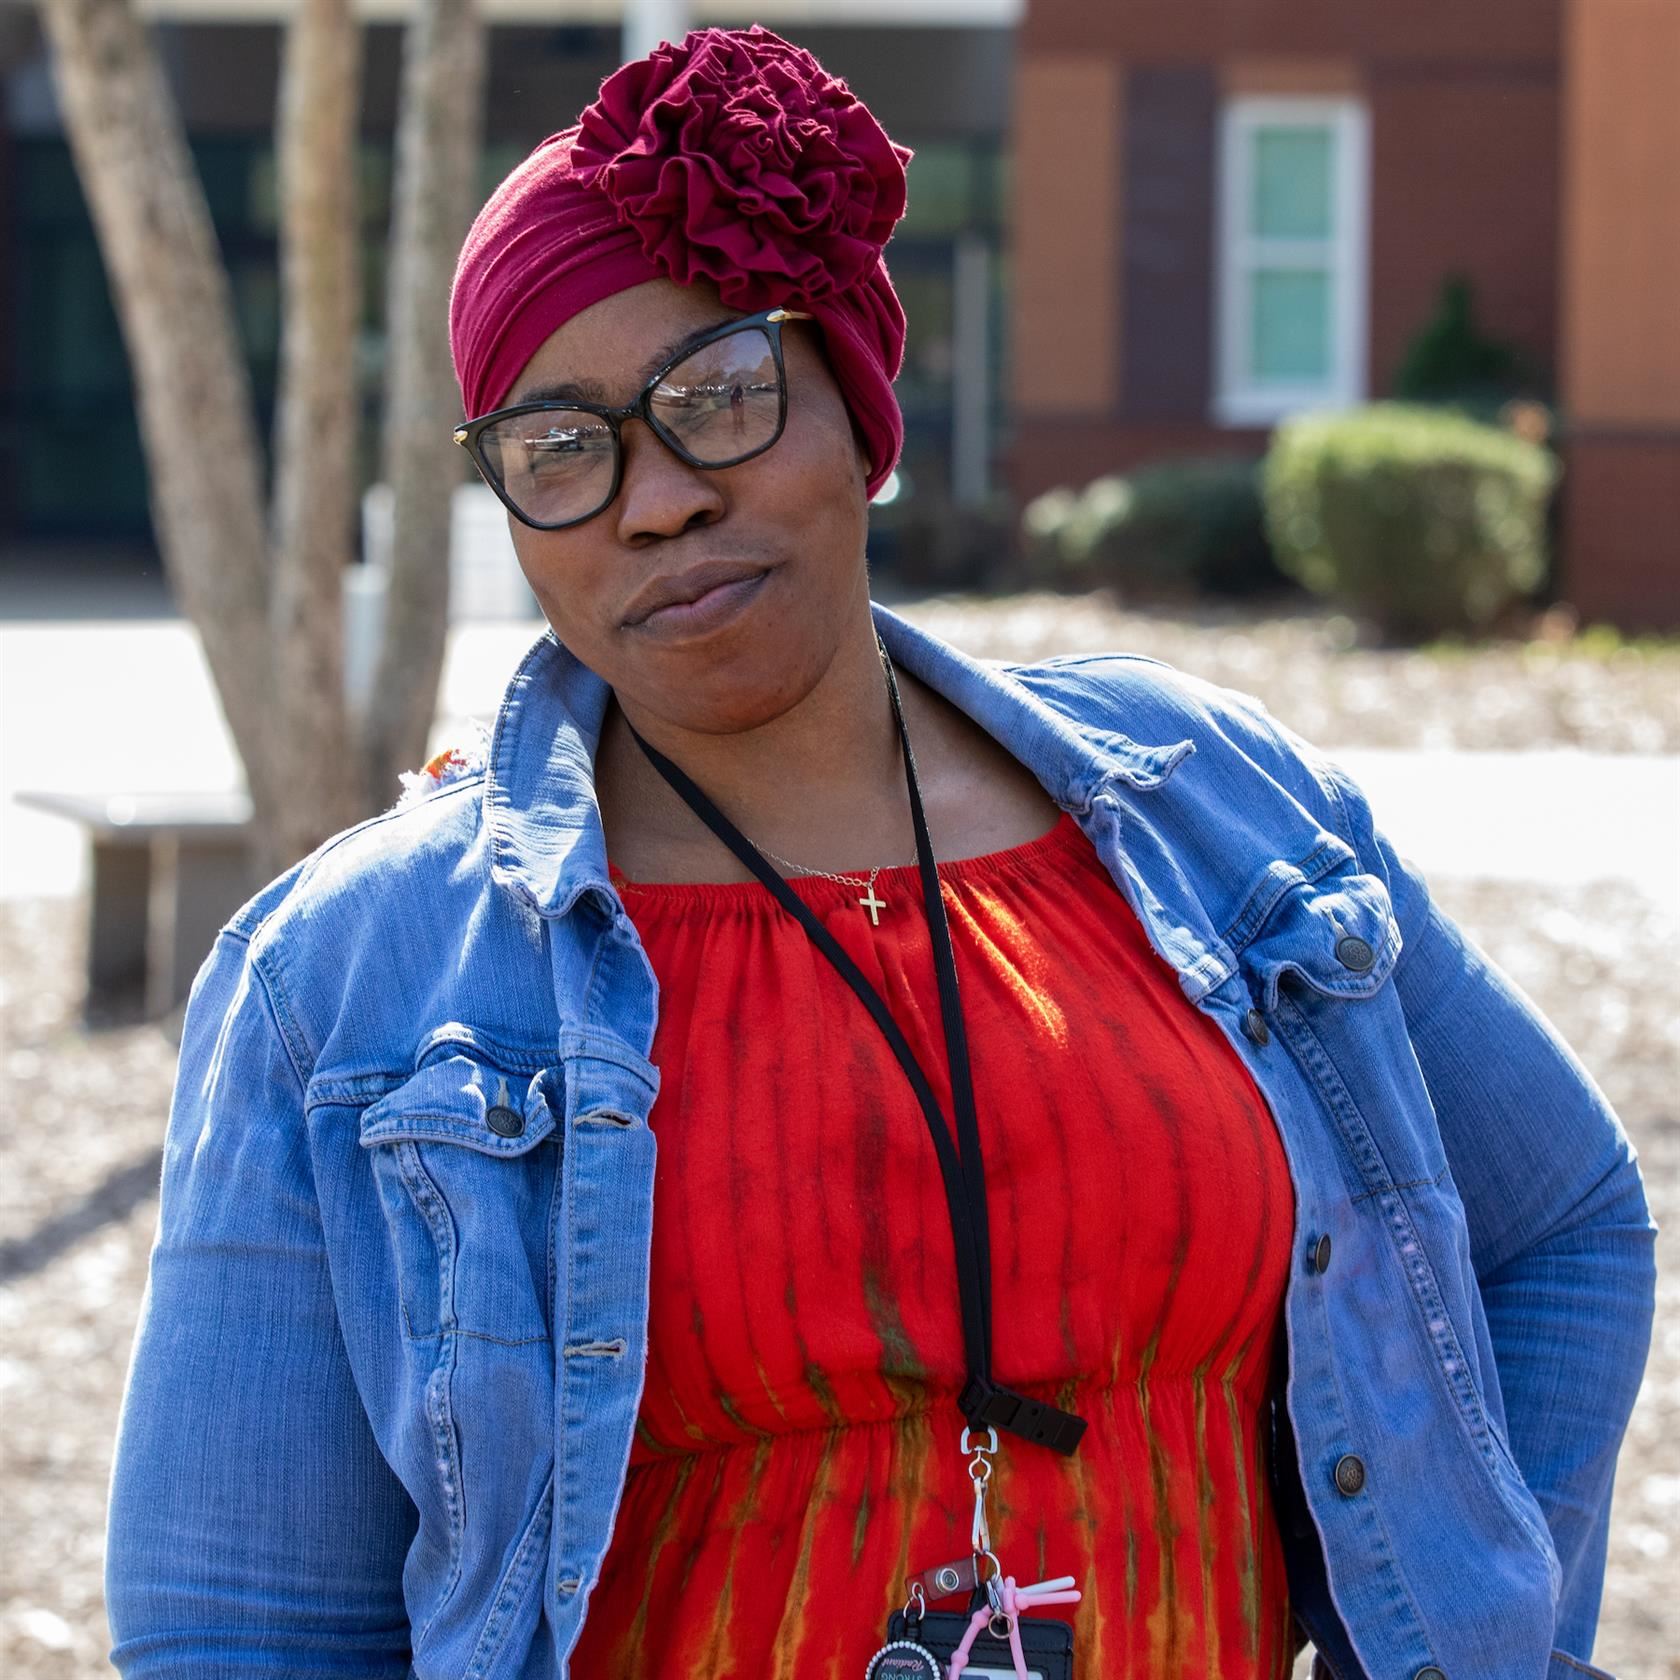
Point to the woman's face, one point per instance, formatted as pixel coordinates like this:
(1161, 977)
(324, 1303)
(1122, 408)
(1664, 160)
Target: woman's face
(787, 527)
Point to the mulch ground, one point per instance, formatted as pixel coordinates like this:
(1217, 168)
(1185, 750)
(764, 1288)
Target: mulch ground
(1316, 674)
(79, 1157)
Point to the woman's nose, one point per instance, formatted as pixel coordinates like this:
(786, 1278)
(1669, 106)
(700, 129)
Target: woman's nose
(661, 495)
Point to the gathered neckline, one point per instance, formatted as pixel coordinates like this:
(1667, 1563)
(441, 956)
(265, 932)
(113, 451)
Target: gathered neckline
(1025, 856)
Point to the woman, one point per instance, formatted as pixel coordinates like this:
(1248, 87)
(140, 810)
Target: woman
(1083, 1150)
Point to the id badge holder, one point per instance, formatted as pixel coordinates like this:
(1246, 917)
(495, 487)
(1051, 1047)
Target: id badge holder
(1047, 1646)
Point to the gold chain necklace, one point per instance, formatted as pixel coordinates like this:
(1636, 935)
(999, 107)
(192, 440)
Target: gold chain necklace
(869, 901)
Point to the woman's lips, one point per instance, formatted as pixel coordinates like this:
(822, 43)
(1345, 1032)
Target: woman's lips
(716, 607)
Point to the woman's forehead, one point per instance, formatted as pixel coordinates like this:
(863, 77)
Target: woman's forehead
(621, 341)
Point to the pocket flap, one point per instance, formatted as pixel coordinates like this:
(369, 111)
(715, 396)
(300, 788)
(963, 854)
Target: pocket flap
(463, 1100)
(1338, 935)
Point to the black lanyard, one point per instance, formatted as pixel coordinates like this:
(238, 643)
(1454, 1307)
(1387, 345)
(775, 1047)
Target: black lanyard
(984, 1404)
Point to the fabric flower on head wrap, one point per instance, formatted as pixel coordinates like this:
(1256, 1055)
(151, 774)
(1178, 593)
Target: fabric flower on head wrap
(737, 158)
(733, 158)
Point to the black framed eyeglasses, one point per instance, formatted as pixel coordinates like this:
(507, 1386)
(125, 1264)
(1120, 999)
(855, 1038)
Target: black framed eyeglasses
(719, 402)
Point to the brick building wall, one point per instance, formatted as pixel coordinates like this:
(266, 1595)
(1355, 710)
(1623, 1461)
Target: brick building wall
(1621, 312)
(1445, 31)
(1116, 120)
(1465, 178)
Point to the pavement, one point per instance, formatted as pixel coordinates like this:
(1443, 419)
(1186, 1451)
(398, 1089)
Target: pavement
(127, 706)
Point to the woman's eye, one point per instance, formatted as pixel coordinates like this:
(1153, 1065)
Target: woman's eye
(690, 400)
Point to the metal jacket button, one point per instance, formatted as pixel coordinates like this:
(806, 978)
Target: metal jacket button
(505, 1122)
(1254, 1024)
(1354, 953)
(1318, 1256)
(1430, 1673)
(1350, 1478)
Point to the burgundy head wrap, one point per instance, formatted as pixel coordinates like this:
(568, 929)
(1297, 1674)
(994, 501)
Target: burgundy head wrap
(733, 157)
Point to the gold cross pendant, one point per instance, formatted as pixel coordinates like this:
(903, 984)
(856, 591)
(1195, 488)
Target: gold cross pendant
(873, 904)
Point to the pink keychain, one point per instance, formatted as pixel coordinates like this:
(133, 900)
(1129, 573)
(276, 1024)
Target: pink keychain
(1013, 1601)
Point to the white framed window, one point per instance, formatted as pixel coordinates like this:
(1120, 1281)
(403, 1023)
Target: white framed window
(1292, 241)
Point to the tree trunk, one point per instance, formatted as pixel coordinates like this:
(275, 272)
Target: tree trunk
(274, 642)
(437, 156)
(171, 292)
(315, 427)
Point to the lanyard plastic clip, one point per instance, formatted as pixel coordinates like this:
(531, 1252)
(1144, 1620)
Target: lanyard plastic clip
(986, 1406)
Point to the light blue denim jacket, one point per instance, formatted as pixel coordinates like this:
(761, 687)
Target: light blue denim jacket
(388, 1366)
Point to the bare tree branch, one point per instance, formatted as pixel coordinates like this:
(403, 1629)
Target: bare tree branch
(274, 639)
(171, 291)
(437, 153)
(315, 429)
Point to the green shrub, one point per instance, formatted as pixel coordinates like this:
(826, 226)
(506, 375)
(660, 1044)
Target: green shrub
(1451, 360)
(1183, 525)
(1420, 519)
(1044, 523)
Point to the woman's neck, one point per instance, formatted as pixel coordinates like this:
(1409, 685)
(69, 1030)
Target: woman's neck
(820, 782)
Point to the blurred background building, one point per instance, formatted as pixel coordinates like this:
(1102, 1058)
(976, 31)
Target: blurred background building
(1136, 231)
(938, 73)
(1229, 212)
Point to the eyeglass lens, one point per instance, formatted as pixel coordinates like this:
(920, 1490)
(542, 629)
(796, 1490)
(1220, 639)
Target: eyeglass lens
(720, 404)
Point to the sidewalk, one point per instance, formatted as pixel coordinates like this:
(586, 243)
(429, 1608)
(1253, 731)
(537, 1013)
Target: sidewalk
(151, 723)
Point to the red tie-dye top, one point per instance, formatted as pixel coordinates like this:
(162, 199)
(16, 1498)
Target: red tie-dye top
(796, 1456)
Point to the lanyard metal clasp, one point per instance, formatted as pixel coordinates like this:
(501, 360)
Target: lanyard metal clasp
(980, 1455)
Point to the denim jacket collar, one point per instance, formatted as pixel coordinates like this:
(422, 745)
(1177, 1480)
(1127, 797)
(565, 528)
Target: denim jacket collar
(547, 844)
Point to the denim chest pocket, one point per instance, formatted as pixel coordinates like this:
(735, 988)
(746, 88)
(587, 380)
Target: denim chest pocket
(466, 1158)
(1334, 938)
(1320, 966)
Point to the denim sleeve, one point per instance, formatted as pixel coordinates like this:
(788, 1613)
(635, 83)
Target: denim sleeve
(1561, 1236)
(254, 1526)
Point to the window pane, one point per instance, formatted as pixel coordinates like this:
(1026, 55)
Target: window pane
(1289, 334)
(1292, 176)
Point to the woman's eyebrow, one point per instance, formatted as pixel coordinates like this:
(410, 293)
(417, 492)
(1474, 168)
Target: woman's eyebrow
(592, 391)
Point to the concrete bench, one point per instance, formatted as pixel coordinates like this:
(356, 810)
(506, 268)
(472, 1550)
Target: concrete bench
(165, 871)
